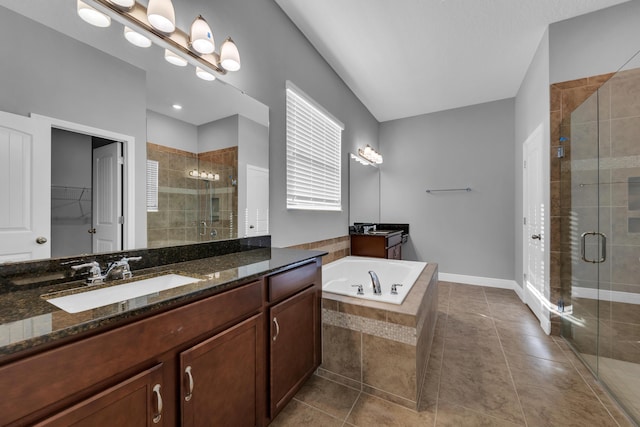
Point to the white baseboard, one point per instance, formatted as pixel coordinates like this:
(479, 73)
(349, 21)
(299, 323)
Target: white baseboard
(606, 295)
(479, 281)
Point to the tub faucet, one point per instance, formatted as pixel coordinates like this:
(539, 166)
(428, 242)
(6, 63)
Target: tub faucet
(375, 282)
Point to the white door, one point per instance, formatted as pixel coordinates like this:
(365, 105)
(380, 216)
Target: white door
(533, 230)
(107, 198)
(25, 188)
(257, 215)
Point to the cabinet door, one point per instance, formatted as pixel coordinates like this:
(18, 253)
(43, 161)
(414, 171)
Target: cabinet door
(394, 252)
(136, 402)
(294, 356)
(221, 378)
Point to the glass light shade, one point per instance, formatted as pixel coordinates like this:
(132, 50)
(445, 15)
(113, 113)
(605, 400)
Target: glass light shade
(201, 37)
(229, 55)
(126, 4)
(92, 16)
(367, 151)
(136, 39)
(161, 15)
(205, 75)
(174, 59)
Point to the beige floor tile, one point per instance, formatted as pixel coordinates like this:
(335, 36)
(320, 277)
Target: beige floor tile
(297, 414)
(328, 396)
(371, 411)
(466, 324)
(450, 415)
(475, 306)
(550, 407)
(544, 348)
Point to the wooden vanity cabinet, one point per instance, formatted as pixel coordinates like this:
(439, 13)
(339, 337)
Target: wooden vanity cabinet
(222, 378)
(295, 331)
(378, 246)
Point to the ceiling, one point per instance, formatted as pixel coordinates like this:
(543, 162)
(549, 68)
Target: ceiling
(404, 58)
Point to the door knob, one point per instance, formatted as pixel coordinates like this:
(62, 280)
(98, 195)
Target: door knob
(91, 231)
(41, 240)
(536, 236)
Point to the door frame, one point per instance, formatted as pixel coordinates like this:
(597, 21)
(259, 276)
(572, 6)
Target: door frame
(543, 306)
(128, 151)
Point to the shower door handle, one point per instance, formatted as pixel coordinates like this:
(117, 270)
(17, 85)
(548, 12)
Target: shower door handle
(583, 248)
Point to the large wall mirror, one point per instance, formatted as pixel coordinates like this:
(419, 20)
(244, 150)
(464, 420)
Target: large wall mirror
(117, 166)
(364, 191)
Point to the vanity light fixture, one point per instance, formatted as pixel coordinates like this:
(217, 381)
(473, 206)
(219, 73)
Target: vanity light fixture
(370, 154)
(205, 75)
(157, 23)
(92, 16)
(229, 55)
(209, 176)
(201, 38)
(174, 59)
(136, 39)
(161, 15)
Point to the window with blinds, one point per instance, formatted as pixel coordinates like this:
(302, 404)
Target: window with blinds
(314, 140)
(152, 186)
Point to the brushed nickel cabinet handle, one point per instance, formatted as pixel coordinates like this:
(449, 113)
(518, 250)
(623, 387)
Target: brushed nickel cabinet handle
(158, 415)
(275, 321)
(190, 377)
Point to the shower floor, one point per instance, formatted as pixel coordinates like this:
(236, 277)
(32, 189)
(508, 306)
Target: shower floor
(622, 378)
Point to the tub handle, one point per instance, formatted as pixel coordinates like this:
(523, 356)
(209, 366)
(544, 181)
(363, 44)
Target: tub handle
(360, 291)
(394, 288)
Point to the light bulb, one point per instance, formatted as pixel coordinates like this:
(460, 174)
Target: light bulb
(136, 39)
(161, 15)
(174, 59)
(92, 16)
(205, 75)
(125, 4)
(201, 38)
(229, 55)
(203, 174)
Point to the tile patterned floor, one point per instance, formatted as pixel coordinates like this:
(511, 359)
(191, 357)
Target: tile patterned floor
(490, 365)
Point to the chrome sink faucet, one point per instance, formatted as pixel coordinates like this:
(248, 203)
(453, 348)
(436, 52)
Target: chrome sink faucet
(118, 269)
(375, 282)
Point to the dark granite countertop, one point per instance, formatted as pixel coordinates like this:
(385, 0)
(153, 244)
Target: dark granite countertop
(29, 321)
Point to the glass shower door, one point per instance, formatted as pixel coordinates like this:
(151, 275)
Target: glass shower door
(600, 264)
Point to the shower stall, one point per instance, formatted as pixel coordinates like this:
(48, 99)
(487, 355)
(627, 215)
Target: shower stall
(599, 156)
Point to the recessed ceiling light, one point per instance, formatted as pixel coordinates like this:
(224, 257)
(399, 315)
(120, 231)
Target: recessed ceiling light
(177, 106)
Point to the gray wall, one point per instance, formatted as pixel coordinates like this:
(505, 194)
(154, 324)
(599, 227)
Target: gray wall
(169, 132)
(56, 76)
(218, 134)
(466, 233)
(595, 43)
(531, 109)
(273, 50)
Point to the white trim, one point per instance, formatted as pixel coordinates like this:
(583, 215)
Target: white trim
(478, 281)
(606, 295)
(128, 241)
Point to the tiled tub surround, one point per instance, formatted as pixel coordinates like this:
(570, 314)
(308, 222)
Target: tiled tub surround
(29, 323)
(338, 247)
(381, 349)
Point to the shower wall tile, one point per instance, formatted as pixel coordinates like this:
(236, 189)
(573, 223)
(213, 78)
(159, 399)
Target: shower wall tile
(625, 92)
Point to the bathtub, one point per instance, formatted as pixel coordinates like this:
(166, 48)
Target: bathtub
(343, 276)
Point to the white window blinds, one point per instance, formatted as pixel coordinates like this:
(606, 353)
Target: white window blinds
(152, 186)
(314, 140)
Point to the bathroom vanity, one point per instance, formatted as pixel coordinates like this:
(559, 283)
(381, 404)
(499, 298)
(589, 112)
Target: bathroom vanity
(231, 348)
(379, 244)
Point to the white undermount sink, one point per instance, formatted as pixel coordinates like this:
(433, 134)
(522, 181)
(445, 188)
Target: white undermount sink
(82, 301)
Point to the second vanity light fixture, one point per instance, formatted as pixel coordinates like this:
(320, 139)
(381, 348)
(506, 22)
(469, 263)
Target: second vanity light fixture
(370, 154)
(204, 175)
(158, 21)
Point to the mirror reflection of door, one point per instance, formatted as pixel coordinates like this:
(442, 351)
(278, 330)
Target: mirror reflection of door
(86, 194)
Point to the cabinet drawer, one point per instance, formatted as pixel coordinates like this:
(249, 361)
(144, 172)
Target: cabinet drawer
(290, 282)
